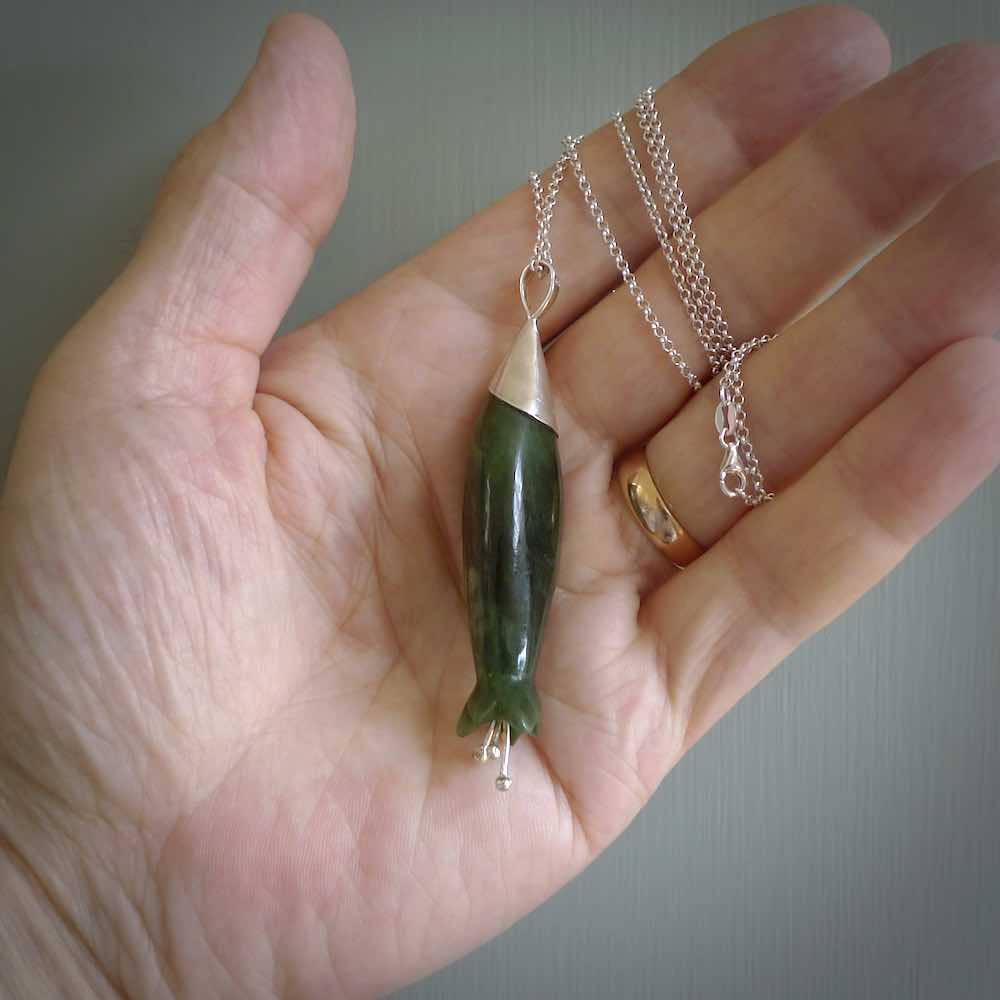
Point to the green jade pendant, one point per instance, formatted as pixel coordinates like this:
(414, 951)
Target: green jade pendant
(510, 541)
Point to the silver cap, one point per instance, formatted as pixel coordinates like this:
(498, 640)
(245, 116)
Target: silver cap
(523, 379)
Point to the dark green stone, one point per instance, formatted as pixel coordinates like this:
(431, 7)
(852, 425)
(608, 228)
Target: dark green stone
(510, 532)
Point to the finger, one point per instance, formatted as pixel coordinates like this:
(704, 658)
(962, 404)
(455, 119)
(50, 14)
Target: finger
(783, 237)
(232, 235)
(730, 110)
(795, 564)
(940, 282)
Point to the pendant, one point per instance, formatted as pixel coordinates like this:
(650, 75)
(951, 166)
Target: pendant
(510, 541)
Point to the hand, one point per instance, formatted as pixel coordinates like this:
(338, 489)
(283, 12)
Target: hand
(233, 633)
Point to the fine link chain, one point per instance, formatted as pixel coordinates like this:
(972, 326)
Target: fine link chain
(740, 475)
(686, 278)
(544, 207)
(570, 150)
(689, 275)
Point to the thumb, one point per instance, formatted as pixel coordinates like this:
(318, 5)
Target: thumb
(232, 235)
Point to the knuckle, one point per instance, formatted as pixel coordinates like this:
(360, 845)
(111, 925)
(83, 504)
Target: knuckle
(966, 76)
(982, 190)
(968, 400)
(190, 167)
(972, 212)
(956, 94)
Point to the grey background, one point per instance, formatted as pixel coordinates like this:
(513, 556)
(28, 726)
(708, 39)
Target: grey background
(837, 835)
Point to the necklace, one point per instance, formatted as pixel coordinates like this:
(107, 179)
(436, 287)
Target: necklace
(513, 488)
(739, 475)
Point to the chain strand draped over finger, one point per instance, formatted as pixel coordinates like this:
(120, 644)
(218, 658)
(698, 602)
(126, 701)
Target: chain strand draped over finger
(740, 475)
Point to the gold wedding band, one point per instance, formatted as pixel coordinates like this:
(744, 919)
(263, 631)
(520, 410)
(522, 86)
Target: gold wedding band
(651, 511)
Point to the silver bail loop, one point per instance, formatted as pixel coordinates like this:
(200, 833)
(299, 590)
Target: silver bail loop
(534, 267)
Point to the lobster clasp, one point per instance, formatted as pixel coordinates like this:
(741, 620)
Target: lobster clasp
(733, 479)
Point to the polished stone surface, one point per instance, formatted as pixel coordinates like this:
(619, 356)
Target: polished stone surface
(510, 534)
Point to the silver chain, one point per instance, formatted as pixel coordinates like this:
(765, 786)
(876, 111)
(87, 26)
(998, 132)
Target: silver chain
(740, 475)
(688, 272)
(545, 206)
(543, 246)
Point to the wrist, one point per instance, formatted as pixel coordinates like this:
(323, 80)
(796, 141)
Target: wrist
(42, 952)
(75, 898)
(68, 927)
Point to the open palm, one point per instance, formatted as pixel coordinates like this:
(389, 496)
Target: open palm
(233, 623)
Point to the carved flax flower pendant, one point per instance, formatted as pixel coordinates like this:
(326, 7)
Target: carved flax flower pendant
(510, 541)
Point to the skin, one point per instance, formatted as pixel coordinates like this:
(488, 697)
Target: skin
(233, 638)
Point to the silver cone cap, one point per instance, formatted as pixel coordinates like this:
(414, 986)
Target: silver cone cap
(523, 379)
